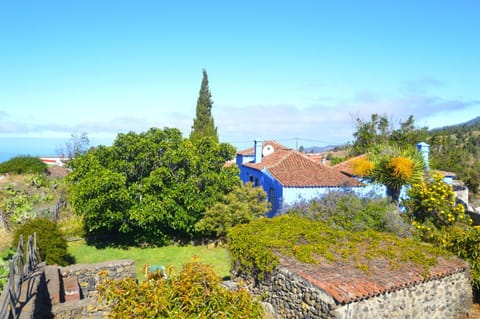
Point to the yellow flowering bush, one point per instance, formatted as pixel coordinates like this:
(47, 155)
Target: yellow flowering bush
(432, 203)
(436, 219)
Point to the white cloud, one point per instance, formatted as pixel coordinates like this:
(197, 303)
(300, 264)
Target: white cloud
(332, 121)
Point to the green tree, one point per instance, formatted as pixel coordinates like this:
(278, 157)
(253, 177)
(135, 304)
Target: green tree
(379, 131)
(456, 149)
(98, 194)
(241, 206)
(407, 134)
(370, 133)
(203, 124)
(150, 187)
(78, 144)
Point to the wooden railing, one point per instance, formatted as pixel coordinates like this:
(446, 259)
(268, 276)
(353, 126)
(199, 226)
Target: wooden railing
(19, 271)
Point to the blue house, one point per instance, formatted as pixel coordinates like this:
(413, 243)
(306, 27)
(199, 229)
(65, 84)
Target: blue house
(288, 176)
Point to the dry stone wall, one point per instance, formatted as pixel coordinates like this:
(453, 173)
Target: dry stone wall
(88, 274)
(88, 277)
(294, 297)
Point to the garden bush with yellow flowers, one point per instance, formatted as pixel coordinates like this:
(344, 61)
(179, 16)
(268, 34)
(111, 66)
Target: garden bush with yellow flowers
(436, 218)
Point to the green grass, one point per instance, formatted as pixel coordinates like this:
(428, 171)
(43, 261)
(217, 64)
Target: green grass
(174, 256)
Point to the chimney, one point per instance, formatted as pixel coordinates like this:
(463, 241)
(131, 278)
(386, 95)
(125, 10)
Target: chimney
(257, 152)
(424, 149)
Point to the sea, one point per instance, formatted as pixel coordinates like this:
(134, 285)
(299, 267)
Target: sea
(36, 146)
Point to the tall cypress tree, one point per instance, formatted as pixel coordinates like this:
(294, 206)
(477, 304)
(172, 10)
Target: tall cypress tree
(203, 124)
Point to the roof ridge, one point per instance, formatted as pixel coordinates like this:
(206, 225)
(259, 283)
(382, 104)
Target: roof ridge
(280, 160)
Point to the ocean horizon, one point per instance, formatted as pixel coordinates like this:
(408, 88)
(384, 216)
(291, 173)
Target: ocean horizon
(11, 147)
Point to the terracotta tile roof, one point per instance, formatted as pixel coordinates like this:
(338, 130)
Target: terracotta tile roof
(347, 284)
(294, 169)
(317, 157)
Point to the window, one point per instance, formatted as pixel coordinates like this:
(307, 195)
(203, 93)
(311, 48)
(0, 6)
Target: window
(271, 197)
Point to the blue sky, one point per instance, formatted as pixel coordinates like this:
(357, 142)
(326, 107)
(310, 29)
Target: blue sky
(294, 71)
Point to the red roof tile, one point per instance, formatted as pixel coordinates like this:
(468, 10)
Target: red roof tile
(294, 169)
(317, 157)
(346, 283)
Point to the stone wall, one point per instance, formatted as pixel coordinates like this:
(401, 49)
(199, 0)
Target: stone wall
(444, 298)
(294, 297)
(88, 274)
(88, 278)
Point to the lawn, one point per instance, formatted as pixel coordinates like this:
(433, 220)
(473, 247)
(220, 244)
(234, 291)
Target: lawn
(174, 256)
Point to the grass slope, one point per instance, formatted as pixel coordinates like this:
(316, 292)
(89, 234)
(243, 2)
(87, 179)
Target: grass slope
(174, 256)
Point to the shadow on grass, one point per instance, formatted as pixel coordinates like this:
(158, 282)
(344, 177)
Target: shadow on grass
(70, 259)
(109, 241)
(124, 241)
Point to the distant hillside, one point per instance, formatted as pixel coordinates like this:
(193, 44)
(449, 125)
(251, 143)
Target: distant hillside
(456, 148)
(322, 149)
(473, 123)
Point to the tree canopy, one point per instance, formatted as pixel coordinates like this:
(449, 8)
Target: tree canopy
(380, 130)
(150, 187)
(457, 149)
(203, 124)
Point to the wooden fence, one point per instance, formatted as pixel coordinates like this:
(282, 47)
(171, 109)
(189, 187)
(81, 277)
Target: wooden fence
(19, 270)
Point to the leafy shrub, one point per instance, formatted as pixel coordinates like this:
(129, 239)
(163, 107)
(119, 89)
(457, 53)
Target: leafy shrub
(196, 292)
(50, 241)
(240, 206)
(347, 211)
(464, 242)
(335, 160)
(72, 226)
(23, 164)
(254, 246)
(436, 219)
(433, 202)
